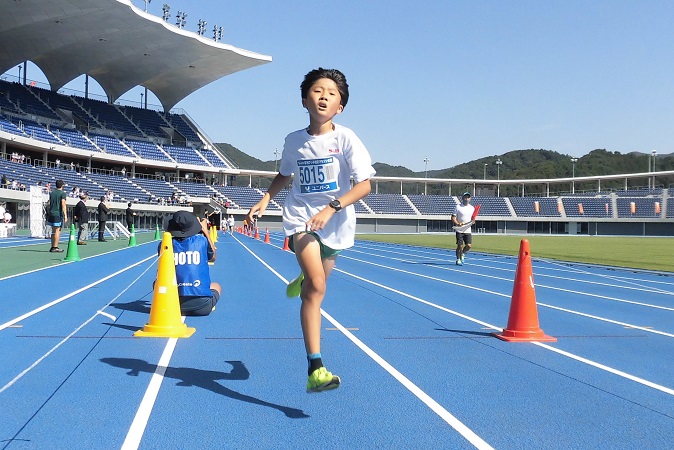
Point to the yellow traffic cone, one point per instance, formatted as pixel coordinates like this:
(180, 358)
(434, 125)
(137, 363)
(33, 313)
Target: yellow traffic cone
(214, 234)
(165, 318)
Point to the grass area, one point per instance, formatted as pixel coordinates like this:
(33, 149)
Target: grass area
(650, 253)
(36, 256)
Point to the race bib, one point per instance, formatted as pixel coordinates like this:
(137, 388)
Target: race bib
(317, 175)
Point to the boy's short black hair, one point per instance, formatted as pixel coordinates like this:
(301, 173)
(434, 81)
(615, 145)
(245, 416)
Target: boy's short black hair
(59, 184)
(331, 74)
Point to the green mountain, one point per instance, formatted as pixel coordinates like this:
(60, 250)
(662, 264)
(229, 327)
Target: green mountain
(242, 160)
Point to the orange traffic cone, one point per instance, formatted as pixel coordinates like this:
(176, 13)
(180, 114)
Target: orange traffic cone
(266, 236)
(523, 318)
(165, 319)
(257, 233)
(285, 244)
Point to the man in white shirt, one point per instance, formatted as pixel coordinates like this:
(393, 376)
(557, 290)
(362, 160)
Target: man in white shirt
(461, 216)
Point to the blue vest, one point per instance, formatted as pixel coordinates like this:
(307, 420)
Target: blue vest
(191, 260)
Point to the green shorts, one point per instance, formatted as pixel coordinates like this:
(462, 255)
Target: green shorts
(326, 252)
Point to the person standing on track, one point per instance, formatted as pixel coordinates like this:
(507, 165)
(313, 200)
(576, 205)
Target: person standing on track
(130, 216)
(103, 212)
(81, 216)
(461, 216)
(230, 224)
(318, 213)
(57, 215)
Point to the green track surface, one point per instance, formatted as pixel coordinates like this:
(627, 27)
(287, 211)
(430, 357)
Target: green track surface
(37, 256)
(650, 253)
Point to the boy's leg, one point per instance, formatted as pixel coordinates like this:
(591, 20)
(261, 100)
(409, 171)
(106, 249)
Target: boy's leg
(308, 253)
(316, 272)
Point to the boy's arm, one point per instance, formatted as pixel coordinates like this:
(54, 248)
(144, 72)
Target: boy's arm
(357, 192)
(279, 182)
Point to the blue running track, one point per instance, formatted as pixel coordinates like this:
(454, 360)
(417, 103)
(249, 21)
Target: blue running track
(408, 332)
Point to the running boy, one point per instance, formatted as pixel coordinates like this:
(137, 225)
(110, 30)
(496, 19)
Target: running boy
(318, 215)
(461, 216)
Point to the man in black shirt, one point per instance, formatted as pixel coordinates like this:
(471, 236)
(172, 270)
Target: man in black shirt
(102, 218)
(130, 217)
(81, 216)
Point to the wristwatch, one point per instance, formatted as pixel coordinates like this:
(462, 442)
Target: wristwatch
(336, 205)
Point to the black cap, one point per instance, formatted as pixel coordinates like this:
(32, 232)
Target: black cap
(183, 224)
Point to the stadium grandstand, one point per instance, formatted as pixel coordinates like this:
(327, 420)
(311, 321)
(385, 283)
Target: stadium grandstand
(161, 160)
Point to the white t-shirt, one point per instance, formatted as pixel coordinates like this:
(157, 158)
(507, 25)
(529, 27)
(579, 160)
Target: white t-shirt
(323, 166)
(464, 213)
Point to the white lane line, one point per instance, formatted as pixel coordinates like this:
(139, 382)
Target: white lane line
(538, 285)
(455, 423)
(627, 285)
(108, 315)
(620, 373)
(64, 340)
(509, 260)
(67, 296)
(137, 428)
(609, 369)
(445, 415)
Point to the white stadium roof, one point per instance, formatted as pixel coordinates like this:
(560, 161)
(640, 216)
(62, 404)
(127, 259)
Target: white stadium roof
(117, 44)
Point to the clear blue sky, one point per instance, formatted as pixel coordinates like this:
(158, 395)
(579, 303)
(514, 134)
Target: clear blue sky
(451, 80)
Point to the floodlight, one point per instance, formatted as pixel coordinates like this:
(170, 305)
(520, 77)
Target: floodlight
(201, 27)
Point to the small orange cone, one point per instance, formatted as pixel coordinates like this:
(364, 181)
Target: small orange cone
(523, 318)
(165, 318)
(285, 244)
(257, 233)
(266, 236)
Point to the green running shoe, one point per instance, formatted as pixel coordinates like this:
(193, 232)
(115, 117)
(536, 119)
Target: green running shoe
(294, 288)
(459, 262)
(463, 257)
(322, 380)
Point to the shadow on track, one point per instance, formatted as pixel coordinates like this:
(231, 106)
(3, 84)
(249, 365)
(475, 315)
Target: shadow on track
(205, 379)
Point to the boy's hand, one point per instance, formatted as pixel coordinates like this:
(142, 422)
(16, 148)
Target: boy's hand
(319, 220)
(257, 210)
